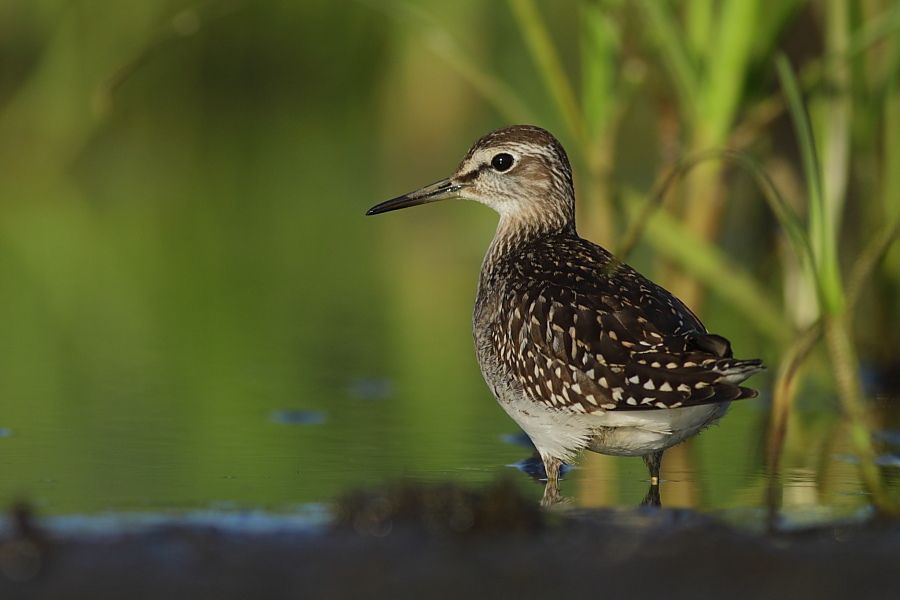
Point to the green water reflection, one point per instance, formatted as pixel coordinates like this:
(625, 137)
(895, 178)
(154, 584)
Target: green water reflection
(183, 254)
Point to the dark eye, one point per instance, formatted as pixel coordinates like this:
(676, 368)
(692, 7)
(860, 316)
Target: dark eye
(502, 162)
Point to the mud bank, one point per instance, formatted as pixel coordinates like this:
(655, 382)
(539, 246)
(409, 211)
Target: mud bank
(602, 553)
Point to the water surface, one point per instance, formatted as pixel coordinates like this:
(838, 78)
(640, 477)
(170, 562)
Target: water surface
(196, 315)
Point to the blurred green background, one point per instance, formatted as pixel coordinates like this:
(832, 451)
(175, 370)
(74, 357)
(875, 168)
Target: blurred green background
(183, 252)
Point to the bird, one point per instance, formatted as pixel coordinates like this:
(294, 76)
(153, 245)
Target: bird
(578, 348)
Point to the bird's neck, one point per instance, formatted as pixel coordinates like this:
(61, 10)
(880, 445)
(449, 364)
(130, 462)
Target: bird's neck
(517, 230)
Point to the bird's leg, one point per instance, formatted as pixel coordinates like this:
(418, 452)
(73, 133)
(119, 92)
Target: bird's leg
(653, 462)
(551, 489)
(652, 497)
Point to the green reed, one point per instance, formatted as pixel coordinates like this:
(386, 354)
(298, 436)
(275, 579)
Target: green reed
(834, 324)
(709, 51)
(92, 245)
(708, 60)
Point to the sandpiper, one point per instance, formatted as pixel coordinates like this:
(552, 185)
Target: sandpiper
(578, 348)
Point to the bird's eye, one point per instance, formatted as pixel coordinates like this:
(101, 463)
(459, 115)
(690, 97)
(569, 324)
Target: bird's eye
(502, 162)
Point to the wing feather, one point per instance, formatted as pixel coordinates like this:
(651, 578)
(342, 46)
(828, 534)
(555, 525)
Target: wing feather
(588, 333)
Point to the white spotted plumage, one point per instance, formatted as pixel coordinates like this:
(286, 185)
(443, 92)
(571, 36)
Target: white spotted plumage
(580, 349)
(562, 327)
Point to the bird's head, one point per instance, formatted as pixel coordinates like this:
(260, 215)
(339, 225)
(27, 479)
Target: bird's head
(522, 172)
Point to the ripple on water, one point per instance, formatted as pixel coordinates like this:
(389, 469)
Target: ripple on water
(888, 460)
(303, 518)
(533, 466)
(297, 417)
(888, 437)
(517, 439)
(882, 460)
(370, 388)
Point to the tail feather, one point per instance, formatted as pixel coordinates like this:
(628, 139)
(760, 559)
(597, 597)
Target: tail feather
(736, 371)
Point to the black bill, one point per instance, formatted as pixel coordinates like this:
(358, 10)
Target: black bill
(441, 190)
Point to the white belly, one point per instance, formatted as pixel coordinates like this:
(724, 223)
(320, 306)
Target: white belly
(561, 434)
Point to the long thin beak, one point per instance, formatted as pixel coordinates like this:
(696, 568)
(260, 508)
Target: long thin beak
(441, 190)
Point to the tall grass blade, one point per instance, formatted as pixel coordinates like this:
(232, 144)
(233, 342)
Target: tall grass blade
(844, 363)
(770, 23)
(836, 321)
(544, 54)
(494, 91)
(834, 131)
(827, 275)
(875, 30)
(663, 26)
(599, 51)
(788, 219)
(699, 24)
(783, 393)
(705, 261)
(727, 60)
(869, 258)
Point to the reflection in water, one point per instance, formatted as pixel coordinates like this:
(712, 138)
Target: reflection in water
(370, 388)
(883, 460)
(202, 262)
(887, 437)
(298, 417)
(799, 489)
(679, 487)
(533, 466)
(598, 484)
(888, 460)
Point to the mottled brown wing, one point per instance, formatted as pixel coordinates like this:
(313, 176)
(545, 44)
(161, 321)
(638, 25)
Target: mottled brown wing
(606, 338)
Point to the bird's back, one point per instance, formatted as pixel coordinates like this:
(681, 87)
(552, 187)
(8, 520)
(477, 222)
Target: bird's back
(560, 320)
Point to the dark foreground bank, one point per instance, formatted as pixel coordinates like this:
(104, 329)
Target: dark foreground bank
(380, 547)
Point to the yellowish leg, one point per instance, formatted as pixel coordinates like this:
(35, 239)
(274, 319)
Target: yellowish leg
(551, 489)
(653, 462)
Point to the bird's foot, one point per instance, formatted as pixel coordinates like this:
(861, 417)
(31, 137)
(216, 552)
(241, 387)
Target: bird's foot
(652, 497)
(551, 496)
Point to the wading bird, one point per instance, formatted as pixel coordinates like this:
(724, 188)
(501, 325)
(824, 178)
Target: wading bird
(579, 349)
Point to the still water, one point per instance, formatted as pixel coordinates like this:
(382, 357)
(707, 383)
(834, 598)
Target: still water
(179, 347)
(146, 450)
(196, 315)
